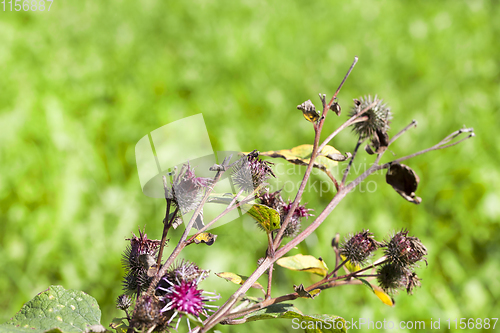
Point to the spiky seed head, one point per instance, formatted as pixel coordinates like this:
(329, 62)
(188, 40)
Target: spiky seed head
(251, 172)
(379, 116)
(392, 277)
(187, 189)
(405, 250)
(136, 274)
(359, 247)
(123, 302)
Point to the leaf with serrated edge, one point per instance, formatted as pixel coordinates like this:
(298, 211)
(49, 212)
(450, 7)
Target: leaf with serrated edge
(57, 308)
(267, 217)
(304, 263)
(288, 311)
(238, 279)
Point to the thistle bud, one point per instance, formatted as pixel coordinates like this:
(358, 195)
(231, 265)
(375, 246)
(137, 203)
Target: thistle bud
(404, 250)
(358, 248)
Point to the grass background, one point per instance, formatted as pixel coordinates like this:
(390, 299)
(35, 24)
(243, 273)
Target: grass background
(81, 84)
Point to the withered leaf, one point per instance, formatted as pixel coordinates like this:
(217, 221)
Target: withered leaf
(404, 181)
(301, 291)
(205, 237)
(378, 144)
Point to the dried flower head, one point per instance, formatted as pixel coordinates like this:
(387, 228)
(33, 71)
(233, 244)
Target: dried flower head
(392, 277)
(273, 200)
(250, 172)
(123, 302)
(379, 117)
(412, 281)
(136, 274)
(404, 250)
(358, 248)
(293, 227)
(309, 111)
(147, 315)
(187, 189)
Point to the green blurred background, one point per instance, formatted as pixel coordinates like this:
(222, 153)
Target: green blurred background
(81, 84)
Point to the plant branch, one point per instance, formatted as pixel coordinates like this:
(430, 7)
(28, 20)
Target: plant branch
(346, 171)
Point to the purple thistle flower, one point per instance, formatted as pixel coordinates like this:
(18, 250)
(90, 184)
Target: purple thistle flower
(293, 227)
(300, 211)
(179, 293)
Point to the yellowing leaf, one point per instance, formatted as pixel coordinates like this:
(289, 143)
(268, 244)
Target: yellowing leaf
(305, 263)
(238, 279)
(301, 155)
(350, 266)
(205, 237)
(386, 299)
(267, 217)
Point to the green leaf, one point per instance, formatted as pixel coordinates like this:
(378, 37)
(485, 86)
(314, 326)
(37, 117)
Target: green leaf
(301, 155)
(328, 323)
(267, 217)
(119, 325)
(305, 263)
(57, 310)
(237, 279)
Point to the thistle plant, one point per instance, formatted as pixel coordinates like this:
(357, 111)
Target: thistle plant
(159, 292)
(175, 289)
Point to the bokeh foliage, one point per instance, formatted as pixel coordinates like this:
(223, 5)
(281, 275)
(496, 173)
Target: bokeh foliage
(81, 84)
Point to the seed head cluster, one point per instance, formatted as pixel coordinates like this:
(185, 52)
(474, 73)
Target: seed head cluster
(379, 117)
(403, 253)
